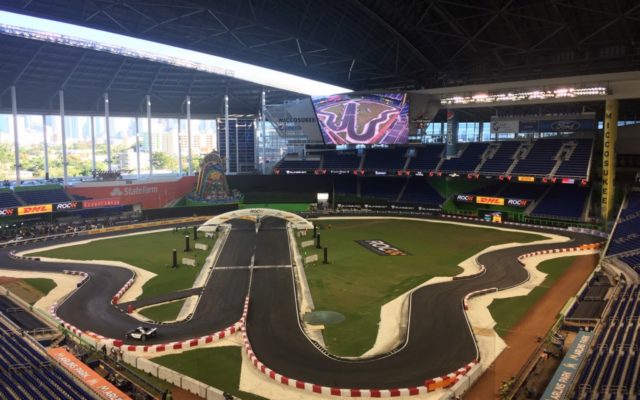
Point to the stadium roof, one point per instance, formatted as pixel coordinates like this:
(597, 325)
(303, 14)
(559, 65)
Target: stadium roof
(358, 44)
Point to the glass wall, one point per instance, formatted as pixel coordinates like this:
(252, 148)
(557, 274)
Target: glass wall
(123, 133)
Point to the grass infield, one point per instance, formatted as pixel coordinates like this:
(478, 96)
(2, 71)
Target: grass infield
(163, 312)
(151, 252)
(43, 285)
(507, 312)
(218, 367)
(357, 281)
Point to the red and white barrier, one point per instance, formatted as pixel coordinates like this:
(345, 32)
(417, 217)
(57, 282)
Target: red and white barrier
(590, 246)
(465, 301)
(127, 285)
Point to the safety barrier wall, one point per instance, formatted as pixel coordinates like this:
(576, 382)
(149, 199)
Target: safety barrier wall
(465, 301)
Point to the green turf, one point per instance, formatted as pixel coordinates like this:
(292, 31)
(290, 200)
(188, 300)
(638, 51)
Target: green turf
(292, 207)
(357, 282)
(41, 284)
(150, 251)
(163, 312)
(218, 367)
(507, 312)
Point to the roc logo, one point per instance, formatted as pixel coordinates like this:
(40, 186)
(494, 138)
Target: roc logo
(70, 205)
(517, 202)
(5, 212)
(381, 248)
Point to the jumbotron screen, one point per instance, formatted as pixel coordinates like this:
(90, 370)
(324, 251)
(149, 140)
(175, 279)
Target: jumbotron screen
(363, 119)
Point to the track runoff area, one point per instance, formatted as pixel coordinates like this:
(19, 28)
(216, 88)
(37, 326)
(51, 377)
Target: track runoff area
(255, 284)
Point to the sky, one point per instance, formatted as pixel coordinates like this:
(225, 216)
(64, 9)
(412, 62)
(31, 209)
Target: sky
(243, 71)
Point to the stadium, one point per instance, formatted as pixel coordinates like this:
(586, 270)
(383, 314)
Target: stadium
(315, 200)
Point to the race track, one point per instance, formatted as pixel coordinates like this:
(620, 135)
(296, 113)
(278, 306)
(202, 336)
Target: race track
(439, 340)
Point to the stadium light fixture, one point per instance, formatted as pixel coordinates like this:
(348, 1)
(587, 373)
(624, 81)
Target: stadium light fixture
(537, 94)
(87, 38)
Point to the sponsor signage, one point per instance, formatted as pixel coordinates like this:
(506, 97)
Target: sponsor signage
(7, 212)
(97, 203)
(69, 205)
(380, 173)
(567, 371)
(568, 181)
(381, 248)
(498, 201)
(526, 179)
(295, 172)
(465, 198)
(84, 373)
(517, 203)
(339, 171)
(499, 125)
(35, 209)
(418, 173)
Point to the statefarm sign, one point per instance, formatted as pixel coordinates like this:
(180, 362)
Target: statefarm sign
(149, 195)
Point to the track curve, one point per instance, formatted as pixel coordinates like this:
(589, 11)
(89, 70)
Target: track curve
(439, 339)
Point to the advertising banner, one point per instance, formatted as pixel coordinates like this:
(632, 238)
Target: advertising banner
(609, 156)
(465, 198)
(89, 377)
(526, 179)
(498, 201)
(381, 248)
(7, 212)
(98, 203)
(567, 125)
(517, 203)
(35, 209)
(67, 206)
(154, 194)
(567, 371)
(499, 125)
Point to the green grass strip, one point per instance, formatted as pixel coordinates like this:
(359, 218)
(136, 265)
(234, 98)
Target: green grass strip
(218, 367)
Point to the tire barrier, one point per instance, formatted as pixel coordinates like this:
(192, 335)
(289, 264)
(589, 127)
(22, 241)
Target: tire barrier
(14, 256)
(429, 386)
(451, 379)
(465, 301)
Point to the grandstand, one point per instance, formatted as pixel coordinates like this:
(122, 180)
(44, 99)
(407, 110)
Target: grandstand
(563, 201)
(613, 368)
(27, 373)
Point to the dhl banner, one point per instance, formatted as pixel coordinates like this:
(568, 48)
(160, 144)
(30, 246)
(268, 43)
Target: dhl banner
(89, 377)
(35, 209)
(498, 201)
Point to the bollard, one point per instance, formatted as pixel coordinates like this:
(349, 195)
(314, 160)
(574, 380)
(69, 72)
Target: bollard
(326, 258)
(195, 233)
(318, 241)
(186, 243)
(315, 230)
(175, 259)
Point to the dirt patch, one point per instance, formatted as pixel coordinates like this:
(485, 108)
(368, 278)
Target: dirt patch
(21, 289)
(522, 340)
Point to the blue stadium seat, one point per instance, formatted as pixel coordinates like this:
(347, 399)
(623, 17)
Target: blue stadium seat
(578, 164)
(8, 199)
(502, 159)
(418, 190)
(563, 201)
(468, 160)
(427, 158)
(540, 159)
(385, 159)
(339, 160)
(43, 196)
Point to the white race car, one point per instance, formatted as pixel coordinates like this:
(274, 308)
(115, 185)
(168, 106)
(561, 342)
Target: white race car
(142, 333)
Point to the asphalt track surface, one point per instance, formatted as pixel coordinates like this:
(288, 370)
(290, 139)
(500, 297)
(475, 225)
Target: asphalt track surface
(438, 341)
